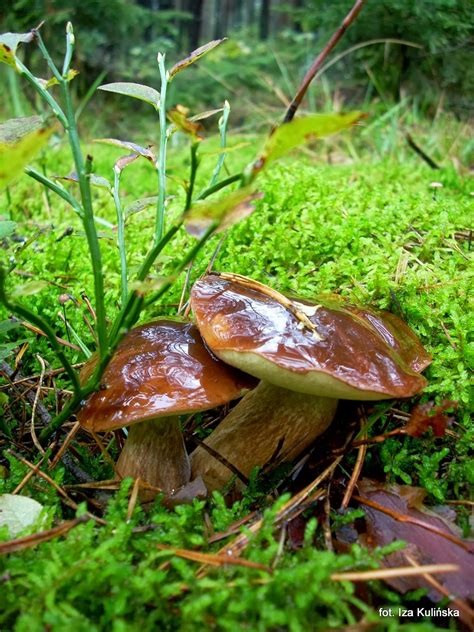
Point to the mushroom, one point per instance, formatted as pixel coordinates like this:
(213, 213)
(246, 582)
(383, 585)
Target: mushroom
(160, 370)
(307, 356)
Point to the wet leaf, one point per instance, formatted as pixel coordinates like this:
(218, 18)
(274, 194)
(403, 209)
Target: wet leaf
(20, 140)
(224, 212)
(9, 43)
(140, 205)
(178, 117)
(7, 228)
(18, 513)
(426, 416)
(145, 152)
(194, 56)
(303, 130)
(432, 538)
(135, 90)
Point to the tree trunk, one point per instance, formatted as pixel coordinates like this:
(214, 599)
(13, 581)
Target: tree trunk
(195, 7)
(265, 19)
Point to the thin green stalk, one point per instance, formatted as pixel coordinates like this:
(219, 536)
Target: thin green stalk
(47, 56)
(220, 185)
(120, 237)
(56, 188)
(70, 40)
(182, 264)
(223, 131)
(88, 218)
(44, 94)
(192, 177)
(133, 298)
(71, 406)
(31, 317)
(160, 211)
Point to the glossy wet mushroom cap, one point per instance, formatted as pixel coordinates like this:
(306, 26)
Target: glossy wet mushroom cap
(324, 348)
(159, 369)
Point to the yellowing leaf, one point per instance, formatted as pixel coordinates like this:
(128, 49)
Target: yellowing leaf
(9, 43)
(194, 56)
(224, 212)
(48, 83)
(303, 130)
(20, 140)
(135, 90)
(178, 117)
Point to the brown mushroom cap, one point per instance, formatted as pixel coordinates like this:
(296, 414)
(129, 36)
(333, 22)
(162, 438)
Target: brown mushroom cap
(159, 369)
(352, 354)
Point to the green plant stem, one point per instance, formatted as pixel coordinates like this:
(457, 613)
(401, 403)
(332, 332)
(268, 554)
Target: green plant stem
(88, 218)
(31, 317)
(120, 237)
(182, 264)
(44, 94)
(129, 307)
(220, 185)
(56, 188)
(223, 131)
(160, 211)
(47, 56)
(192, 177)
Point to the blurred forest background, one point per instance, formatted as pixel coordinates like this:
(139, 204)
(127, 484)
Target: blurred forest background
(396, 50)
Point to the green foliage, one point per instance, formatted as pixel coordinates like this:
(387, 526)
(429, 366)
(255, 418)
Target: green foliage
(113, 577)
(443, 28)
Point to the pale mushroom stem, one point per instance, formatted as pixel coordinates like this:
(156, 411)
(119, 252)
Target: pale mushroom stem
(154, 452)
(251, 433)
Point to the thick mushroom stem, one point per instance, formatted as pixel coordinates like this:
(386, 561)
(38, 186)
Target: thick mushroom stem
(266, 418)
(154, 452)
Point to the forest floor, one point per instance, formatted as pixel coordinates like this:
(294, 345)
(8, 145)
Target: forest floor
(374, 231)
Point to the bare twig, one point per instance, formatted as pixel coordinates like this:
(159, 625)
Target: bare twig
(318, 62)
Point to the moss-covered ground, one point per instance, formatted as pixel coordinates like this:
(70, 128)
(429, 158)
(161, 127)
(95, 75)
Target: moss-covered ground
(373, 231)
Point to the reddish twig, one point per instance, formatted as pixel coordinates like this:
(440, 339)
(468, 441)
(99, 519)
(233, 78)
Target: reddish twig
(318, 62)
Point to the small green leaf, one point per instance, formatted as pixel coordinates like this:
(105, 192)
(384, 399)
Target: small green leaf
(9, 43)
(20, 140)
(137, 149)
(140, 205)
(224, 212)
(194, 56)
(135, 90)
(31, 287)
(7, 228)
(303, 130)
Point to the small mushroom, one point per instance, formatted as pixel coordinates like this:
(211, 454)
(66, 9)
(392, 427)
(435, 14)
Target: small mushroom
(307, 356)
(160, 370)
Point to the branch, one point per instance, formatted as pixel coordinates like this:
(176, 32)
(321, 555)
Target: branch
(308, 78)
